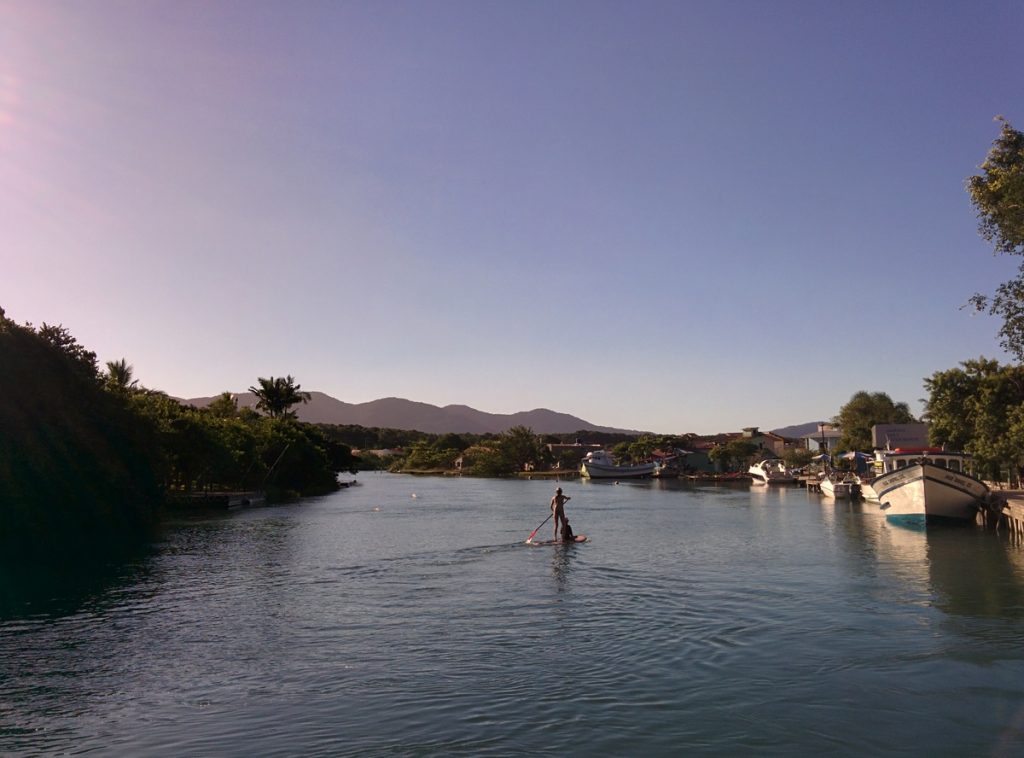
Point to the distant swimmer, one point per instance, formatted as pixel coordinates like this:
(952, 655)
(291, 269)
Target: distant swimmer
(558, 509)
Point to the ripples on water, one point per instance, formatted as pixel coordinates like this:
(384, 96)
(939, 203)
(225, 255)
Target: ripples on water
(371, 622)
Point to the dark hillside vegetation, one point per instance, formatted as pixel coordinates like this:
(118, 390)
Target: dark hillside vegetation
(75, 463)
(88, 458)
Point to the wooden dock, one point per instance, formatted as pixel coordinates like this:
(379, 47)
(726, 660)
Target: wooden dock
(812, 483)
(218, 501)
(1004, 512)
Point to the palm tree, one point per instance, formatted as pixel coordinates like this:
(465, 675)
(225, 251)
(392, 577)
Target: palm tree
(119, 376)
(225, 405)
(277, 395)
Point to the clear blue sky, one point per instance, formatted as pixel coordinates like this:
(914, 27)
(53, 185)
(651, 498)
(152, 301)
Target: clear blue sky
(674, 216)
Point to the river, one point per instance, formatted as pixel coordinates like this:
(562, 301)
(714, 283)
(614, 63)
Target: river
(406, 616)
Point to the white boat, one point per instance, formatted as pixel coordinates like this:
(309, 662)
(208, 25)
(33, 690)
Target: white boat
(918, 484)
(770, 471)
(834, 488)
(600, 465)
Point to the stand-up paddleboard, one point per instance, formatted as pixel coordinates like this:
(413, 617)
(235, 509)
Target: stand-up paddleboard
(579, 538)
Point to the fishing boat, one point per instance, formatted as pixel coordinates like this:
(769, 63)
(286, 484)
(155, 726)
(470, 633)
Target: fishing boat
(923, 484)
(601, 465)
(771, 471)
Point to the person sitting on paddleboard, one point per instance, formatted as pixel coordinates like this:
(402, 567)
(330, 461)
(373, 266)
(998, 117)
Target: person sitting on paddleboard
(558, 508)
(567, 535)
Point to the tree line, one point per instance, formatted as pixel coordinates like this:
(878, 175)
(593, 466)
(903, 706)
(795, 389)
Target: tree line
(86, 453)
(516, 449)
(979, 405)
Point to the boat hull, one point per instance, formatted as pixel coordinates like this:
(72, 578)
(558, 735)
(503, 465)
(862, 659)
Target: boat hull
(760, 479)
(592, 470)
(924, 491)
(770, 472)
(836, 490)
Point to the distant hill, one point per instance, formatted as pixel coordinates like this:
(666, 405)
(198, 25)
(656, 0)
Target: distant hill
(798, 430)
(397, 413)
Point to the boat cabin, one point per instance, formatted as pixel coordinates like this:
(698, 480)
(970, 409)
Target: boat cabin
(600, 457)
(894, 460)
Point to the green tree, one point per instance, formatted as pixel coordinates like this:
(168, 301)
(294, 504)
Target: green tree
(119, 376)
(308, 462)
(568, 460)
(367, 461)
(521, 448)
(76, 465)
(424, 456)
(82, 360)
(998, 198)
(864, 410)
(450, 441)
(225, 405)
(950, 408)
(620, 452)
(216, 450)
(797, 457)
(733, 454)
(641, 449)
(980, 408)
(276, 395)
(485, 460)
(193, 448)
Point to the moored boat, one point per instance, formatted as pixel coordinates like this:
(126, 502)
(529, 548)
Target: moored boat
(920, 484)
(600, 465)
(837, 488)
(771, 471)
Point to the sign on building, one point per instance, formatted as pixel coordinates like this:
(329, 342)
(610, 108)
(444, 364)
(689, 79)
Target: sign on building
(893, 436)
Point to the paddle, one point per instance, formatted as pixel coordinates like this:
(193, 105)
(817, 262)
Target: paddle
(530, 538)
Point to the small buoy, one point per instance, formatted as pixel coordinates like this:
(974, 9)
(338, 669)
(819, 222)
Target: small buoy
(376, 509)
(414, 496)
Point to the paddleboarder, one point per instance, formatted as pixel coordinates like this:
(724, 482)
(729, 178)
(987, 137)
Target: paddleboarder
(558, 509)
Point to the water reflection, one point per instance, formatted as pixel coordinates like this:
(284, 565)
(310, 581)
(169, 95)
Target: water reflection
(903, 551)
(972, 574)
(759, 495)
(836, 517)
(966, 570)
(773, 494)
(562, 558)
(64, 585)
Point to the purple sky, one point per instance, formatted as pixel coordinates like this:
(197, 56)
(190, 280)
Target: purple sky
(679, 216)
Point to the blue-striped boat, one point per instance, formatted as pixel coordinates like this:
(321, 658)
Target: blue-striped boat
(921, 484)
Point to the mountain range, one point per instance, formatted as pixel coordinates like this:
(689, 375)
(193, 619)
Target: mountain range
(397, 413)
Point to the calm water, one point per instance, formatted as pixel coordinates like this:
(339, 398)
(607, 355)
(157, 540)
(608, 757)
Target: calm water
(407, 617)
